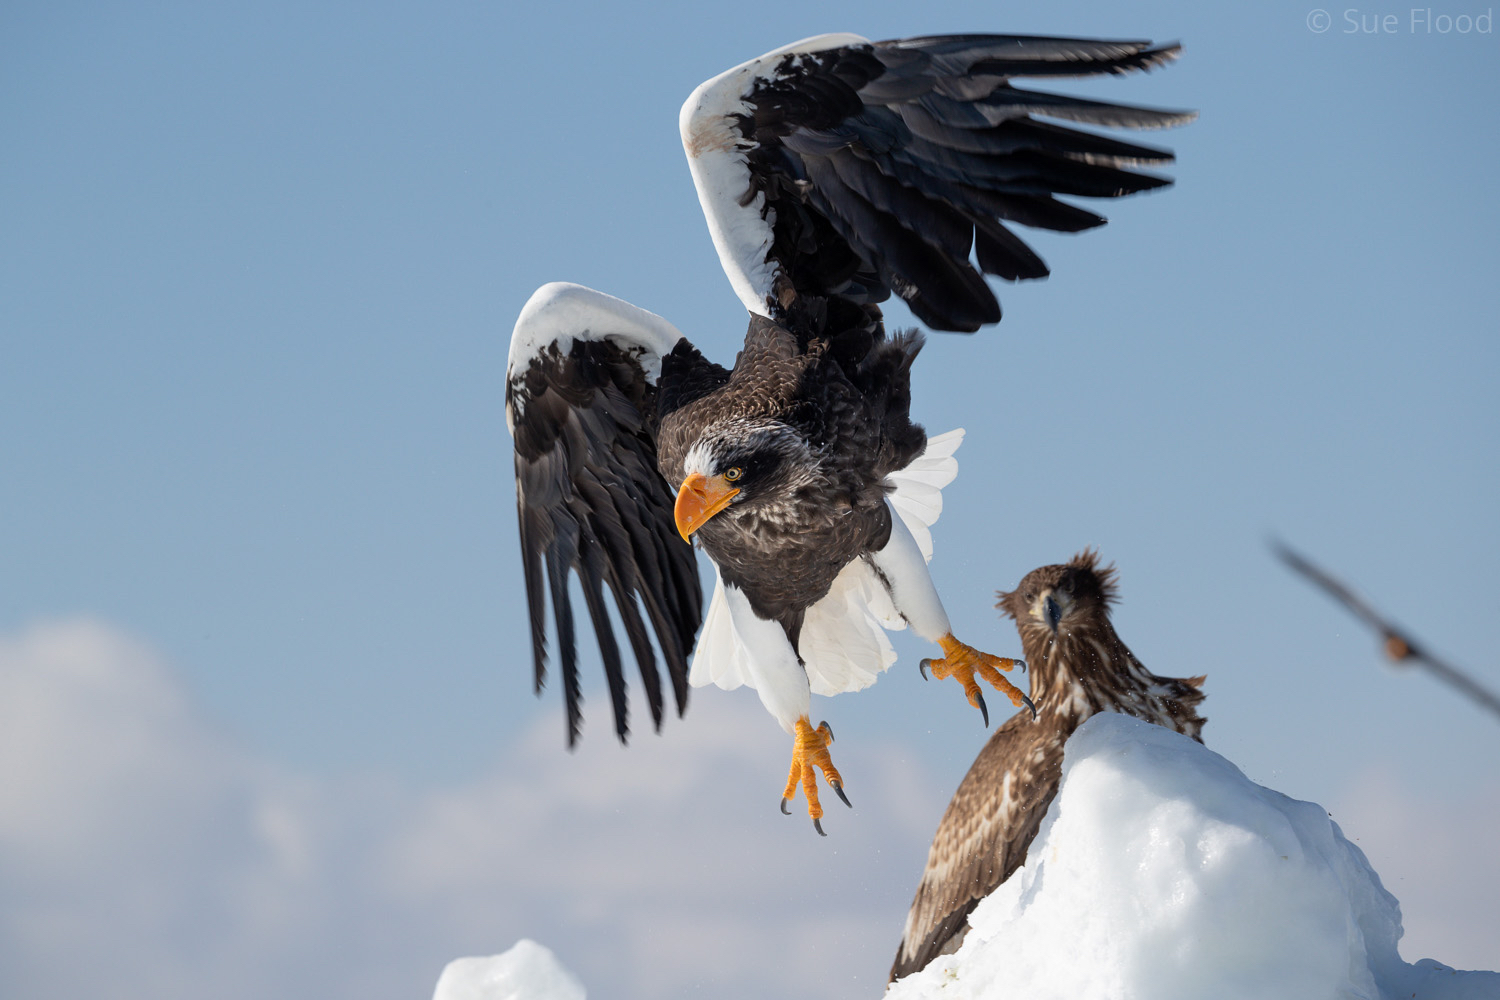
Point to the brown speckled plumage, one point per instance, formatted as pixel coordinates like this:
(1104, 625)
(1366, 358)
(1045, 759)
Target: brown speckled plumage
(1082, 670)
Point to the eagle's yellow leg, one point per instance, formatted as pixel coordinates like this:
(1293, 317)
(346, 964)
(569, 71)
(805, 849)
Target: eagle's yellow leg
(963, 661)
(809, 752)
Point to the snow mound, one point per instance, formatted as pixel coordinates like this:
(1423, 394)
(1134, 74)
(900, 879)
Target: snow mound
(528, 971)
(1162, 872)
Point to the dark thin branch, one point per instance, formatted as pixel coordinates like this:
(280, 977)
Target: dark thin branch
(1399, 645)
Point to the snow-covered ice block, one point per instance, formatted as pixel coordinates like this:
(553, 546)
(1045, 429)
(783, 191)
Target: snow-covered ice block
(1162, 872)
(528, 971)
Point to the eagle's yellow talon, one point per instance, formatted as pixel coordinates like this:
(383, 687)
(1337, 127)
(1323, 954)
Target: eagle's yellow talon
(963, 662)
(809, 754)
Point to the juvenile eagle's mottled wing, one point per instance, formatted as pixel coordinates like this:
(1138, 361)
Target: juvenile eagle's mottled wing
(981, 840)
(580, 399)
(847, 169)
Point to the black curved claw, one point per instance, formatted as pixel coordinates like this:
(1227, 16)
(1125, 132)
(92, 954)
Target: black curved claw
(1031, 705)
(826, 729)
(983, 708)
(922, 665)
(817, 825)
(784, 810)
(838, 789)
(1022, 665)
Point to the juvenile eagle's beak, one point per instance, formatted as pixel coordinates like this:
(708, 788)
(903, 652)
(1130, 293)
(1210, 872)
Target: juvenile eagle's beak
(699, 499)
(1051, 612)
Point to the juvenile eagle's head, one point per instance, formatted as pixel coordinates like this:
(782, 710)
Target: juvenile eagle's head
(760, 468)
(1061, 607)
(1078, 663)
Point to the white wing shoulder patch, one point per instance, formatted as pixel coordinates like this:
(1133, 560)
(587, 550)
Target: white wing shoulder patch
(560, 312)
(716, 156)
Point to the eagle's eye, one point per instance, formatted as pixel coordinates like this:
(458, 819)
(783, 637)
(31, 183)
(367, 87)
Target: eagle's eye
(734, 473)
(1066, 586)
(1028, 597)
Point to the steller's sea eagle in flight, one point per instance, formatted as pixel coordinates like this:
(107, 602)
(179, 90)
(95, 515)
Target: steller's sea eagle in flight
(832, 172)
(1079, 668)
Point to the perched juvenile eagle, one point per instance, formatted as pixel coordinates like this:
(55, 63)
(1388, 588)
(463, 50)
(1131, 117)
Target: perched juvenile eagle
(1079, 667)
(831, 172)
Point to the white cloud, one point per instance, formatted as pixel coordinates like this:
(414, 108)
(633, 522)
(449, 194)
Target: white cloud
(142, 853)
(124, 823)
(667, 863)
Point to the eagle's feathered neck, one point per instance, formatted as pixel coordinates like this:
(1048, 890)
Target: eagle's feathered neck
(1086, 669)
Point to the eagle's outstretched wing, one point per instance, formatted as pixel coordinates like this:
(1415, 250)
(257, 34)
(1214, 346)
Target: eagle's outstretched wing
(846, 169)
(580, 399)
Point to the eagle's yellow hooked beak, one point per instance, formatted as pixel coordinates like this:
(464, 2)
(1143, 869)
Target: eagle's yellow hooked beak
(699, 499)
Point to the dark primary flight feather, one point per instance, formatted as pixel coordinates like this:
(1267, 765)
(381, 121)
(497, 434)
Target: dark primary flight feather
(1080, 671)
(883, 167)
(590, 500)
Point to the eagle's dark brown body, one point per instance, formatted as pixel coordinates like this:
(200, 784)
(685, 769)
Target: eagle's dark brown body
(1078, 671)
(834, 174)
(817, 419)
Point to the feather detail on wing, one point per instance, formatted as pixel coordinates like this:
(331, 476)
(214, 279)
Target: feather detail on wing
(580, 399)
(843, 643)
(917, 491)
(981, 840)
(715, 147)
(560, 313)
(847, 169)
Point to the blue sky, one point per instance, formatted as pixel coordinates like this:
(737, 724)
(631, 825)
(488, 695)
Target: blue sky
(258, 269)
